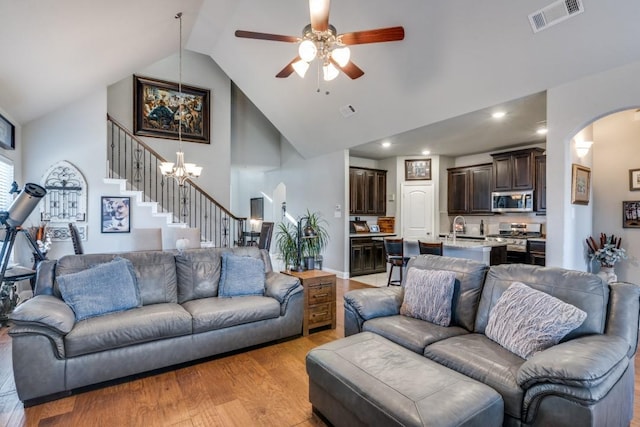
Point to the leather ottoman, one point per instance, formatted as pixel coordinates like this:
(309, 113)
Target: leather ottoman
(366, 379)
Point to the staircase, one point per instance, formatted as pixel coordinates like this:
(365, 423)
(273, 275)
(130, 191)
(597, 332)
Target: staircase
(134, 166)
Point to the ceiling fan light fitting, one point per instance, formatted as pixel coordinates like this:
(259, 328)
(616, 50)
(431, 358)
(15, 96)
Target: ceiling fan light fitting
(307, 50)
(329, 71)
(341, 55)
(300, 67)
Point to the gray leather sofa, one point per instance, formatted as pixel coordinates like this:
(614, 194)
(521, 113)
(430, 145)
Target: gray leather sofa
(181, 319)
(587, 379)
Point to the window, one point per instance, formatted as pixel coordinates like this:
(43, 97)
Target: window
(6, 179)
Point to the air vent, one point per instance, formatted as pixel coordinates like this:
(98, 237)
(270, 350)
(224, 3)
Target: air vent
(347, 110)
(555, 13)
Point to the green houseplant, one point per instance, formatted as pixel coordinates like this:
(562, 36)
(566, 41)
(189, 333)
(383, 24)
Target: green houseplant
(286, 240)
(312, 248)
(287, 243)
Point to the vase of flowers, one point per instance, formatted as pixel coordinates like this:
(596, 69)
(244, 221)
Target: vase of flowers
(607, 252)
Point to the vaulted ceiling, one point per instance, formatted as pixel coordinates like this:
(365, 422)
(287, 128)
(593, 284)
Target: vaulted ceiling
(459, 59)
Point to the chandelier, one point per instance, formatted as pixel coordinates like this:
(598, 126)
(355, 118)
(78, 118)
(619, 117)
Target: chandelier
(324, 45)
(180, 171)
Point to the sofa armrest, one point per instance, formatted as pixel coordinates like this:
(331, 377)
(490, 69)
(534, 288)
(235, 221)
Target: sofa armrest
(582, 362)
(45, 311)
(364, 304)
(45, 278)
(623, 313)
(281, 286)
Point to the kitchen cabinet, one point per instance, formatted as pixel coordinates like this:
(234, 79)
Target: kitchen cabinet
(367, 257)
(541, 184)
(515, 170)
(367, 191)
(469, 189)
(536, 251)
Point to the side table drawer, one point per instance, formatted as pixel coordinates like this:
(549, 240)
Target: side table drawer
(321, 293)
(320, 313)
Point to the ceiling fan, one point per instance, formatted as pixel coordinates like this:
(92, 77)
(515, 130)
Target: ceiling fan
(321, 40)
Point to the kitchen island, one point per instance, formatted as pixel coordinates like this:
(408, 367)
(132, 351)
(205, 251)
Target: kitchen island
(489, 253)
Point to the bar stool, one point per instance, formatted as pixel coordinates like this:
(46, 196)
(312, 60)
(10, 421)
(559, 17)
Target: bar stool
(394, 253)
(429, 248)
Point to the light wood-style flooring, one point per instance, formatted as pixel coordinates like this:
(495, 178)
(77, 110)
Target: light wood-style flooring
(265, 386)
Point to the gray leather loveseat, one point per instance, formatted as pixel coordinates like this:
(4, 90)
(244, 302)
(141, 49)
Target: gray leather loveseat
(585, 380)
(181, 318)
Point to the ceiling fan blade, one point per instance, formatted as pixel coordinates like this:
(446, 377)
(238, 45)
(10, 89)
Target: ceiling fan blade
(266, 36)
(319, 12)
(288, 69)
(379, 35)
(351, 69)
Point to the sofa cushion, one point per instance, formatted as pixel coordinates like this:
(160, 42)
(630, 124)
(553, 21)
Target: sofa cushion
(155, 272)
(241, 275)
(468, 285)
(411, 333)
(104, 288)
(526, 321)
(136, 326)
(198, 272)
(217, 313)
(428, 294)
(583, 290)
(477, 357)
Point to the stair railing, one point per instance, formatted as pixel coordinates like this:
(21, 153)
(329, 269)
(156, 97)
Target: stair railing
(131, 159)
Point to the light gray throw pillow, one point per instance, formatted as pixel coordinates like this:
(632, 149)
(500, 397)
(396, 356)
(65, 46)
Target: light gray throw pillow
(240, 276)
(525, 321)
(428, 295)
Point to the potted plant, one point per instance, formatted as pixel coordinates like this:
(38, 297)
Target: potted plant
(287, 244)
(286, 241)
(608, 252)
(312, 248)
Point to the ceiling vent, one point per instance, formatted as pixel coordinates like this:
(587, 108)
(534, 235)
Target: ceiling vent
(555, 13)
(347, 110)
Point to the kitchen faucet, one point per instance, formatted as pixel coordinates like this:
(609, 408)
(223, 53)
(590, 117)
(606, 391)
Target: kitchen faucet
(455, 220)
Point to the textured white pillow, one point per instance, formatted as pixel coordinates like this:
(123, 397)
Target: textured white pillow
(428, 295)
(525, 321)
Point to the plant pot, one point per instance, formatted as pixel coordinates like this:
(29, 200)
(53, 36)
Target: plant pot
(309, 262)
(608, 274)
(318, 262)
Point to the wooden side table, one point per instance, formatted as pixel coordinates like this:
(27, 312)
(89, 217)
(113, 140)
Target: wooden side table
(319, 298)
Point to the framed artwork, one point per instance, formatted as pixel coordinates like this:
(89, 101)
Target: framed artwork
(418, 169)
(634, 179)
(580, 184)
(257, 208)
(156, 110)
(116, 216)
(631, 214)
(7, 134)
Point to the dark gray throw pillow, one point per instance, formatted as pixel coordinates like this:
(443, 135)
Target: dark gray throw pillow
(525, 320)
(101, 289)
(428, 295)
(241, 275)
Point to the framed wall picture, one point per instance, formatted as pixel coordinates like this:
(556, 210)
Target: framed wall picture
(155, 110)
(580, 184)
(417, 169)
(634, 179)
(631, 214)
(116, 215)
(257, 208)
(7, 134)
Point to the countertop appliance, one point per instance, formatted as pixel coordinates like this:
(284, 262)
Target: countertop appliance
(515, 235)
(512, 201)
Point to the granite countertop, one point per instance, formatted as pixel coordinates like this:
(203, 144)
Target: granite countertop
(356, 235)
(464, 244)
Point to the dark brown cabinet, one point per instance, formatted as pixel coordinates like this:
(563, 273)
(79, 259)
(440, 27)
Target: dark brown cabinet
(367, 257)
(536, 252)
(541, 184)
(367, 191)
(469, 189)
(515, 170)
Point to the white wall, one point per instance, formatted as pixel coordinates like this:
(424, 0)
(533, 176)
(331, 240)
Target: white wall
(570, 108)
(200, 71)
(615, 151)
(317, 184)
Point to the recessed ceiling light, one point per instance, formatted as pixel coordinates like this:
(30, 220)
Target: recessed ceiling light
(426, 152)
(386, 144)
(541, 131)
(498, 114)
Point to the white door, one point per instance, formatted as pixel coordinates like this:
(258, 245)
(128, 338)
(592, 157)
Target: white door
(417, 211)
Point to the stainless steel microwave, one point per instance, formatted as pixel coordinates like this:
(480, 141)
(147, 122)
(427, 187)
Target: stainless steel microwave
(512, 201)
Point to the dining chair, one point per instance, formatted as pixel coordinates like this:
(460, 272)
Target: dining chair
(266, 231)
(75, 239)
(394, 253)
(430, 248)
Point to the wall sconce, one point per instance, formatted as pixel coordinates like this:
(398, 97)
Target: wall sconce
(584, 141)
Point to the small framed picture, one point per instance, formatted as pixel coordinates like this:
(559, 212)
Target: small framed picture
(631, 214)
(7, 134)
(580, 184)
(374, 228)
(634, 179)
(417, 169)
(116, 216)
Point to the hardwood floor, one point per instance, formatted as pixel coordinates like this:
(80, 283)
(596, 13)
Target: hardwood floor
(266, 386)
